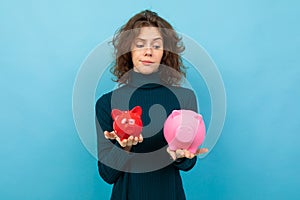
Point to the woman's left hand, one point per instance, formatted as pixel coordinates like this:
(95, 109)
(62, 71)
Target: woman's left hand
(183, 153)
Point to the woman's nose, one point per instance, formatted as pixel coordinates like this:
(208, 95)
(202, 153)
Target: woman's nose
(148, 51)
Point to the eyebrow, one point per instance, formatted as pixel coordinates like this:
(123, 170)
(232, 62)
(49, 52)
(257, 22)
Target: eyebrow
(158, 38)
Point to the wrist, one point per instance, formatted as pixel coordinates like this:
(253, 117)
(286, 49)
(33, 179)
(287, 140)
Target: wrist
(178, 160)
(127, 148)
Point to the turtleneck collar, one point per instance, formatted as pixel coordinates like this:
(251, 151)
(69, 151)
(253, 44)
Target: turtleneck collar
(144, 80)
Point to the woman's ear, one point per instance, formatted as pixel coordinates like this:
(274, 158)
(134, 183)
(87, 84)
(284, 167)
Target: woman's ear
(115, 113)
(137, 110)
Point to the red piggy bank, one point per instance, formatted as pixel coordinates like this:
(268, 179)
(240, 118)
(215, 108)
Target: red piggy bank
(127, 123)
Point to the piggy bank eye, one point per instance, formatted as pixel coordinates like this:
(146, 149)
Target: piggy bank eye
(123, 121)
(131, 121)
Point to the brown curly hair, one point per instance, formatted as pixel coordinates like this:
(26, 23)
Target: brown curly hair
(172, 44)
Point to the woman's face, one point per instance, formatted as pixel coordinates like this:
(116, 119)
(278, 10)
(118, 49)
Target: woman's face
(147, 50)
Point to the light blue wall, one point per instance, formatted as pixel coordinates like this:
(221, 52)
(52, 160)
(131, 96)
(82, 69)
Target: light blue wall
(255, 45)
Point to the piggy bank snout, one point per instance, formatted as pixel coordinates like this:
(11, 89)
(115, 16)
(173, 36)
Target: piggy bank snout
(185, 134)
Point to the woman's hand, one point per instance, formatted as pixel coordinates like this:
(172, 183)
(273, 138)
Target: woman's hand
(183, 153)
(125, 143)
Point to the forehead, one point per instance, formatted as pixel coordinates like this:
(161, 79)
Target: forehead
(149, 33)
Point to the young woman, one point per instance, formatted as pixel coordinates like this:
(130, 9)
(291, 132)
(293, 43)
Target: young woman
(148, 68)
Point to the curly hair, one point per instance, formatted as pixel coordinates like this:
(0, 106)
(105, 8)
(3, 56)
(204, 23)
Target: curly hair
(172, 44)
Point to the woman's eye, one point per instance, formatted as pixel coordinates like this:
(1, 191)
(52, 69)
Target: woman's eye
(156, 46)
(139, 45)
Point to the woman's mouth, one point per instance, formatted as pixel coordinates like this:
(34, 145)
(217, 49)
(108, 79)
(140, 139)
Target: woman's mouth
(146, 62)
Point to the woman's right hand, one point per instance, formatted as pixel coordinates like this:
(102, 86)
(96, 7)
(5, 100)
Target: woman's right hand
(125, 143)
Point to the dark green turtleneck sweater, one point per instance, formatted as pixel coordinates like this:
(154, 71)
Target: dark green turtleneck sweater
(147, 172)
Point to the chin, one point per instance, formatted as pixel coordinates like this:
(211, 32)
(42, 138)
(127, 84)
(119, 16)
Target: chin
(146, 70)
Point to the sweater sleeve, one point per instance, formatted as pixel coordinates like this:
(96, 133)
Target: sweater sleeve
(111, 160)
(190, 103)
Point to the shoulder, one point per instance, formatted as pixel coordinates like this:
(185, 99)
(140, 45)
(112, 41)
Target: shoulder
(186, 97)
(105, 99)
(103, 104)
(182, 91)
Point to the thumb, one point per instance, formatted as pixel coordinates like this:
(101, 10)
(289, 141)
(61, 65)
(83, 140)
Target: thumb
(172, 153)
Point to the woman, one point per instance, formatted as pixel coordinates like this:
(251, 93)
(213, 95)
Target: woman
(149, 69)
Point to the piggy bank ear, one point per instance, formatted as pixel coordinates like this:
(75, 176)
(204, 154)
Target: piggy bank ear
(137, 110)
(115, 113)
(175, 113)
(199, 117)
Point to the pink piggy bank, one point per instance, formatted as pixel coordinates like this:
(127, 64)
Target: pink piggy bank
(184, 129)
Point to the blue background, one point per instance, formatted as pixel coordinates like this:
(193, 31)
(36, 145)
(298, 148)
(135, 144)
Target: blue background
(254, 43)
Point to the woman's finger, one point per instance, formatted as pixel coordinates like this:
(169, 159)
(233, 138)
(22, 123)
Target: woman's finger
(129, 141)
(109, 135)
(180, 153)
(172, 153)
(186, 153)
(201, 151)
(141, 138)
(135, 141)
(122, 143)
(125, 142)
